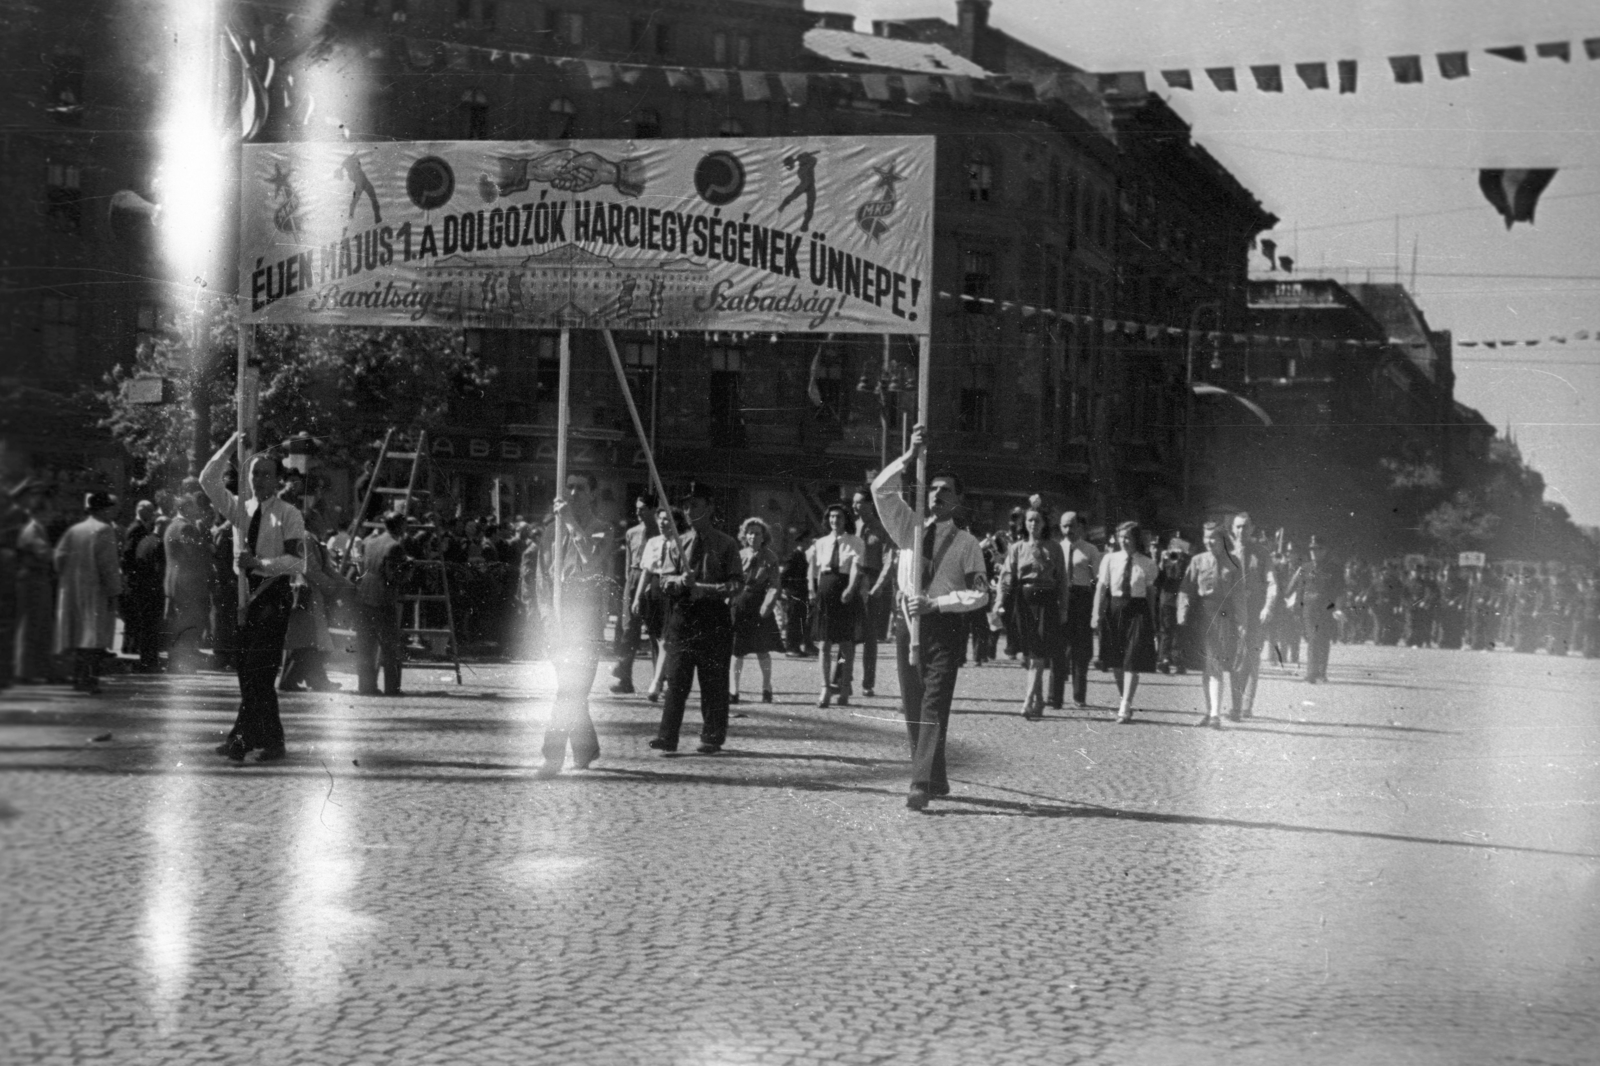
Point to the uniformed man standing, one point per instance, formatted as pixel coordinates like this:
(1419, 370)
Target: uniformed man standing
(1319, 587)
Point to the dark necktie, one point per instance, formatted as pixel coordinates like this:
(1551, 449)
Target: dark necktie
(255, 528)
(1127, 576)
(833, 557)
(928, 537)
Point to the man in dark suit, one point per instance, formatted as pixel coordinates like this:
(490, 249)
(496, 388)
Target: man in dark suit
(378, 637)
(699, 627)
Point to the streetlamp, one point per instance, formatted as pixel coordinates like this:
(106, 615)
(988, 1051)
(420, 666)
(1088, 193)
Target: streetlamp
(1188, 387)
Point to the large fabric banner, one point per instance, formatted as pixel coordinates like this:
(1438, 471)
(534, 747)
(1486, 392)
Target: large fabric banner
(807, 235)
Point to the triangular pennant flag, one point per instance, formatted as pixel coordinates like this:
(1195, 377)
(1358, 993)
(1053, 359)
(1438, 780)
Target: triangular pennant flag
(1591, 47)
(1028, 311)
(1558, 340)
(679, 78)
(876, 86)
(1491, 344)
(1130, 327)
(1223, 79)
(1151, 332)
(1516, 53)
(1269, 78)
(1561, 50)
(1347, 75)
(1468, 344)
(919, 88)
(601, 75)
(1453, 65)
(754, 84)
(1315, 75)
(1108, 325)
(629, 75)
(1583, 335)
(1178, 79)
(1514, 193)
(716, 80)
(1407, 69)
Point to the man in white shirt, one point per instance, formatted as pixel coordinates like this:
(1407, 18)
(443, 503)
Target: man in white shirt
(1077, 636)
(268, 535)
(954, 583)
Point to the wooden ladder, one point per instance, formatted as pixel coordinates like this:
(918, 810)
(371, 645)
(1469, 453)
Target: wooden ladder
(397, 495)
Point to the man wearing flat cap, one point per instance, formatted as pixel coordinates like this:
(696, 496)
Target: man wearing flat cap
(91, 581)
(699, 626)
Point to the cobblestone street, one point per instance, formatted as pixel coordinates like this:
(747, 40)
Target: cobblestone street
(1402, 866)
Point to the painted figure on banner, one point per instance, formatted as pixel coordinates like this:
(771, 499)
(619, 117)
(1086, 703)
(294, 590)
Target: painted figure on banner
(804, 164)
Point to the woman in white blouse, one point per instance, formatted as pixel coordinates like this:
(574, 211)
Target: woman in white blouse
(657, 558)
(1125, 614)
(835, 583)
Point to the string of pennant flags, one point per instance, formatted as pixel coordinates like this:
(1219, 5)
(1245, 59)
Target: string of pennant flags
(1152, 331)
(1406, 69)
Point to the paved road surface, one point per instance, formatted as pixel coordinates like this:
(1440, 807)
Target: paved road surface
(1399, 867)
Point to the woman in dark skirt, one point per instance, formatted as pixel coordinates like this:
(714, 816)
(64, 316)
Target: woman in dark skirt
(657, 559)
(755, 632)
(1213, 601)
(1125, 614)
(1033, 602)
(835, 588)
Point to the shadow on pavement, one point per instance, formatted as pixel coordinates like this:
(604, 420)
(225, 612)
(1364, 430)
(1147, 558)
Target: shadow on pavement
(1062, 809)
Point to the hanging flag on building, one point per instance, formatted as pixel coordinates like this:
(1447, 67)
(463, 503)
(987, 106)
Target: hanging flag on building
(1223, 79)
(1407, 69)
(1315, 75)
(1347, 75)
(1453, 65)
(1515, 193)
(1269, 78)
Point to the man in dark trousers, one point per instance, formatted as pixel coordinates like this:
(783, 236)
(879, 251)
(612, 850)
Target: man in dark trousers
(954, 583)
(142, 597)
(378, 637)
(1077, 636)
(876, 580)
(1321, 589)
(268, 551)
(699, 627)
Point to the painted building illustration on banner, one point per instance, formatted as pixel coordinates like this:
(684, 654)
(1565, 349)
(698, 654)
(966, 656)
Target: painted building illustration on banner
(790, 235)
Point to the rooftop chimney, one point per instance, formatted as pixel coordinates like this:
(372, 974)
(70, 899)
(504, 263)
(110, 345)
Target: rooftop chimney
(972, 21)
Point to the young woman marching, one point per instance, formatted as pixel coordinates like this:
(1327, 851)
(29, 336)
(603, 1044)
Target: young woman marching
(1125, 614)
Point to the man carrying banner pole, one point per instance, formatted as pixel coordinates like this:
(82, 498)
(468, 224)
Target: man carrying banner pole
(942, 579)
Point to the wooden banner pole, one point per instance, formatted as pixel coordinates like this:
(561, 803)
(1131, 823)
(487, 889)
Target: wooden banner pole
(563, 412)
(924, 359)
(638, 429)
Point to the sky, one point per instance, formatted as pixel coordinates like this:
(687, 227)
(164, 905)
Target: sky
(1354, 178)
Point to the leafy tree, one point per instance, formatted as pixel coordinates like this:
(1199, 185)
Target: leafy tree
(342, 385)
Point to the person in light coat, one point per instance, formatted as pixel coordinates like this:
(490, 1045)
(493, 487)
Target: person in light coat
(90, 582)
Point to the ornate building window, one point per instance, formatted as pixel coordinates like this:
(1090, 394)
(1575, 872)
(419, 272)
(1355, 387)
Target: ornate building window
(980, 175)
